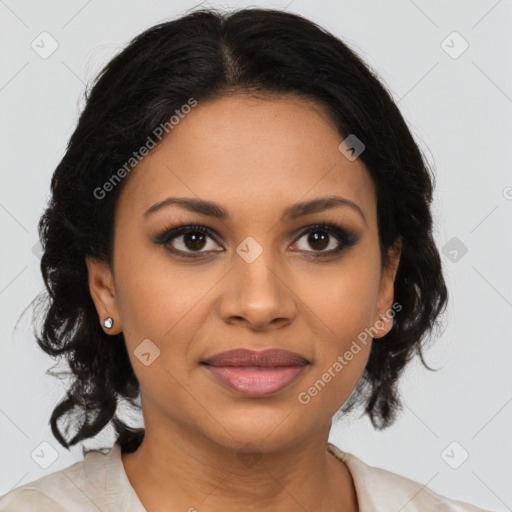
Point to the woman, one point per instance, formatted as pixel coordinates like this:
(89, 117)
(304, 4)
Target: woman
(240, 234)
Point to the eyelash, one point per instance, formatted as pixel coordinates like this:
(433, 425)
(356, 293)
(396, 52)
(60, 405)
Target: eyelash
(345, 237)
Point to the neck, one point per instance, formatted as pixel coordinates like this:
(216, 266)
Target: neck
(177, 468)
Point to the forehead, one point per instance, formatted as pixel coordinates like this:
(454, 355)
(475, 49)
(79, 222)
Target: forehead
(252, 155)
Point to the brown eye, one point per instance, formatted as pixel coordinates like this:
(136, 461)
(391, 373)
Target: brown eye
(327, 240)
(187, 240)
(323, 240)
(194, 241)
(319, 240)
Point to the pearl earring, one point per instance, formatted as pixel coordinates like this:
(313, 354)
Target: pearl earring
(108, 322)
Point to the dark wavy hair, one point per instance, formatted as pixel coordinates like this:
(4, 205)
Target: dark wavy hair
(207, 54)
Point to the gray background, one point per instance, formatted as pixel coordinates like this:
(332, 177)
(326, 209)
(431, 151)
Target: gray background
(457, 106)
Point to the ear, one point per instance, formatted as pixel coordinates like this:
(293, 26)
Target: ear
(101, 287)
(386, 290)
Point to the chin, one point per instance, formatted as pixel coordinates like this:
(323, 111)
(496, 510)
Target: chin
(267, 430)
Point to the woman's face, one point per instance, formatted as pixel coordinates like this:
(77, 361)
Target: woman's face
(255, 280)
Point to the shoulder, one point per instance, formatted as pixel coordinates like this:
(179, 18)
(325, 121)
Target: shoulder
(380, 489)
(77, 487)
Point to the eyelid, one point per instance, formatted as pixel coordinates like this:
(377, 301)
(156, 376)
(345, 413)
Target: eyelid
(346, 237)
(332, 219)
(174, 231)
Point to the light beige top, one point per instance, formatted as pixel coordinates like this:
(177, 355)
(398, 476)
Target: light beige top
(99, 483)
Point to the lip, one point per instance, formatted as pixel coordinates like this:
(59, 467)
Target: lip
(272, 357)
(256, 374)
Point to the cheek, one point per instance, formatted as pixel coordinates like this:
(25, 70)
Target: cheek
(342, 347)
(343, 307)
(343, 299)
(166, 304)
(153, 294)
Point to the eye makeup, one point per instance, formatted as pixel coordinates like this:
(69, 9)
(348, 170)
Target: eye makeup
(196, 234)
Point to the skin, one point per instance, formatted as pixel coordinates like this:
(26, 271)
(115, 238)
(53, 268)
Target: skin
(255, 157)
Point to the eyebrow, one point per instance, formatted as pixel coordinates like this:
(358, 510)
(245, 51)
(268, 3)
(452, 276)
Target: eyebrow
(295, 211)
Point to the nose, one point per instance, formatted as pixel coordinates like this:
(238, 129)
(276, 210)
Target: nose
(258, 294)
